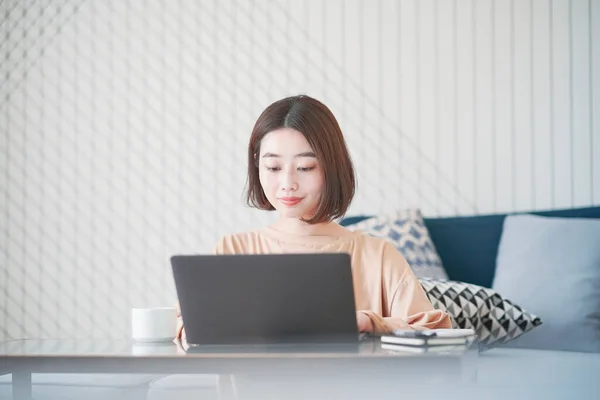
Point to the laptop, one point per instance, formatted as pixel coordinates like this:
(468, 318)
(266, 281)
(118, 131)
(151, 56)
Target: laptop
(266, 299)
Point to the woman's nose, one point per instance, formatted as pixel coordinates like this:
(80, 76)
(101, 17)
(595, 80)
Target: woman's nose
(289, 182)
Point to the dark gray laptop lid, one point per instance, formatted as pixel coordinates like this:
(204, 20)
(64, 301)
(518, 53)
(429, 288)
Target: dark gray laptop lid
(274, 298)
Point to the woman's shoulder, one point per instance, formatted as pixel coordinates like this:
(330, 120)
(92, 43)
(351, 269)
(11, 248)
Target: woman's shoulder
(240, 236)
(372, 243)
(238, 242)
(378, 248)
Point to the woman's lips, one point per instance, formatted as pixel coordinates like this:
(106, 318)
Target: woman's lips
(290, 201)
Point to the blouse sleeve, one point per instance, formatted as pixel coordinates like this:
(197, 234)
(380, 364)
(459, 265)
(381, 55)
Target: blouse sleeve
(406, 304)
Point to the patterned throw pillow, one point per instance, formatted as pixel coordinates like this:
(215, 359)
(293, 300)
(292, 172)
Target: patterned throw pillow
(408, 233)
(495, 319)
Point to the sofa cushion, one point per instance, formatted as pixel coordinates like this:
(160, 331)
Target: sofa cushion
(407, 232)
(468, 245)
(495, 319)
(552, 267)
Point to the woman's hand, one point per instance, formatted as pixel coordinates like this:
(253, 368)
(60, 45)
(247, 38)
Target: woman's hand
(180, 332)
(364, 322)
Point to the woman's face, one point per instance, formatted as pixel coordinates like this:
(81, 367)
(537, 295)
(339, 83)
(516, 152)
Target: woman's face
(290, 175)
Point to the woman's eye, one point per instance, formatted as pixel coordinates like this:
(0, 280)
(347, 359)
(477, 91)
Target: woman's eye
(273, 169)
(306, 169)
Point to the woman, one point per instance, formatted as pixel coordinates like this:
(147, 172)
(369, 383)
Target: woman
(298, 165)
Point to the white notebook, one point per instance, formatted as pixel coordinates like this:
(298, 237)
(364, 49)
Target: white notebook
(423, 349)
(434, 337)
(454, 332)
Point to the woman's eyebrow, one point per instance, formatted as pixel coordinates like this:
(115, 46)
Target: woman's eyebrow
(270, 155)
(304, 154)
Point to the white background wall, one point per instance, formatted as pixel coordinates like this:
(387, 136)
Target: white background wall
(124, 127)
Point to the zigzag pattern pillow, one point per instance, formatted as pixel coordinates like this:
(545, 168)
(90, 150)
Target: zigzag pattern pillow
(408, 233)
(495, 319)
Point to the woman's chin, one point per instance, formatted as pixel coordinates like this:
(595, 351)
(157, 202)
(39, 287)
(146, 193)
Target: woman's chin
(290, 214)
(293, 213)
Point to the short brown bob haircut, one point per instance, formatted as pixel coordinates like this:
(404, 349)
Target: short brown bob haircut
(322, 132)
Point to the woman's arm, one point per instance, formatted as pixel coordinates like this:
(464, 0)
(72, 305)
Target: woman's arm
(407, 305)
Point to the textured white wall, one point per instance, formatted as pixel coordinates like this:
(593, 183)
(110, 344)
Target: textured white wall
(124, 126)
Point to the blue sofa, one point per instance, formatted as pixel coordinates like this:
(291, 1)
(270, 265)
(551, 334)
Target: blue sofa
(468, 245)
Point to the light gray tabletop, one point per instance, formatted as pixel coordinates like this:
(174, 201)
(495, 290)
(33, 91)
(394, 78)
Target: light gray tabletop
(73, 355)
(21, 358)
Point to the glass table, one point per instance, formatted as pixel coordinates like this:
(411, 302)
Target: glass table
(296, 364)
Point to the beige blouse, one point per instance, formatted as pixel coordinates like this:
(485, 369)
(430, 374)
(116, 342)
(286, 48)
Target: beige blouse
(385, 286)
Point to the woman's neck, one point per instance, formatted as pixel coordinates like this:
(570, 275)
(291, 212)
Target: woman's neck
(295, 226)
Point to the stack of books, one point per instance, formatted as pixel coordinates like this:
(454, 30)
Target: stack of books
(435, 340)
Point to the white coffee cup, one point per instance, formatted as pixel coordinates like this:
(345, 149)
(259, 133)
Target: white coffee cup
(156, 324)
